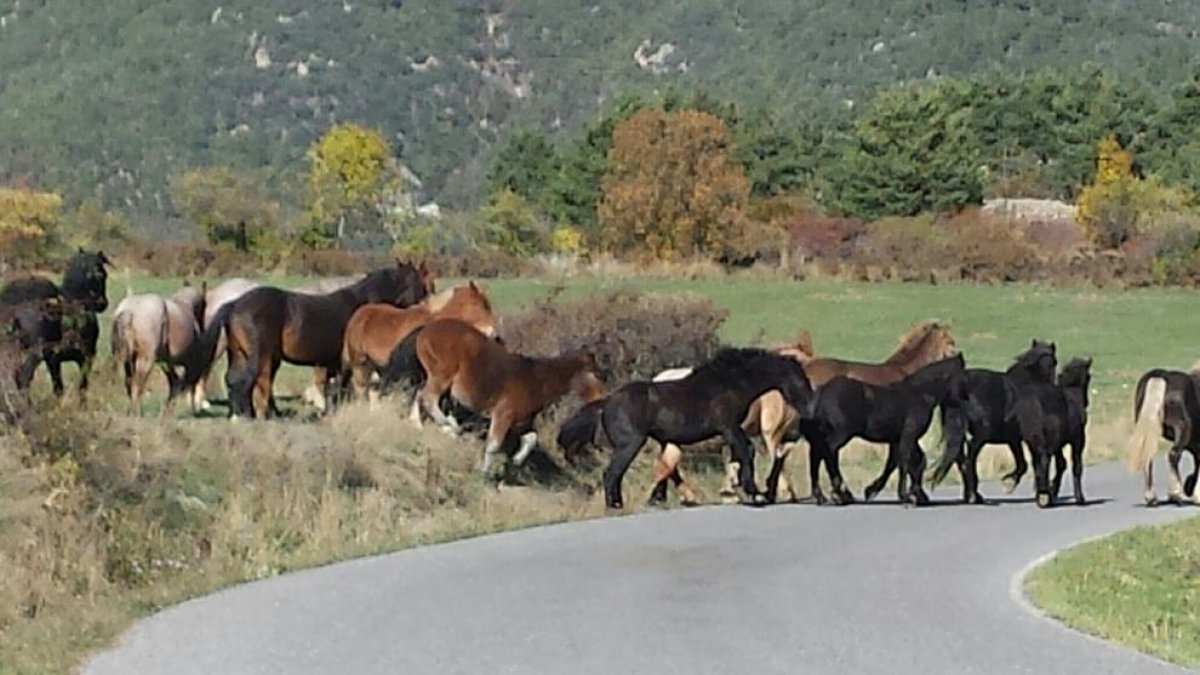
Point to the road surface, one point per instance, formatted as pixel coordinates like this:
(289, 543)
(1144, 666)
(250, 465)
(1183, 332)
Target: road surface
(860, 589)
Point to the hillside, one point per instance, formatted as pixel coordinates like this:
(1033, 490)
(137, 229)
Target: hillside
(111, 99)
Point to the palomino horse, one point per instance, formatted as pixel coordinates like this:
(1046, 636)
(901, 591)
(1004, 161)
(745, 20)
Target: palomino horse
(667, 466)
(897, 414)
(374, 331)
(269, 325)
(74, 334)
(487, 379)
(1167, 405)
(982, 410)
(710, 402)
(150, 329)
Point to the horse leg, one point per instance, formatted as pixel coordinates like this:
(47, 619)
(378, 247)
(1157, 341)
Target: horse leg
(778, 477)
(662, 474)
(54, 366)
(775, 418)
(1189, 486)
(889, 467)
(497, 434)
(1013, 478)
(686, 496)
(1077, 446)
(970, 472)
(743, 453)
(320, 389)
(1041, 473)
(1060, 470)
(143, 366)
(430, 398)
(172, 383)
(528, 443)
(1175, 489)
(626, 444)
(915, 467)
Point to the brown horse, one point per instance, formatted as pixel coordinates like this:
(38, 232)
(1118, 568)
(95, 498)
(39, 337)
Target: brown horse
(267, 326)
(148, 330)
(374, 331)
(484, 377)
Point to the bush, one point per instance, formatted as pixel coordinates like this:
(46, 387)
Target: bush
(633, 335)
(1177, 254)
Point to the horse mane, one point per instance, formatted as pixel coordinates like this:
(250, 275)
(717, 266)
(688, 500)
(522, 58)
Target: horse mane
(438, 301)
(739, 362)
(913, 341)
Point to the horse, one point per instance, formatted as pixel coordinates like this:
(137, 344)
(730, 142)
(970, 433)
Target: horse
(71, 335)
(982, 406)
(712, 401)
(1074, 380)
(215, 298)
(1166, 405)
(374, 331)
(898, 414)
(484, 377)
(667, 467)
(268, 325)
(24, 327)
(150, 329)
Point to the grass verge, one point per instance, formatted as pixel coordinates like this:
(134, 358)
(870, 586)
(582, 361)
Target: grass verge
(1140, 588)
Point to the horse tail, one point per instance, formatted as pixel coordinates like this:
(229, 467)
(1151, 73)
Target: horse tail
(580, 428)
(954, 432)
(203, 350)
(403, 364)
(123, 347)
(1147, 426)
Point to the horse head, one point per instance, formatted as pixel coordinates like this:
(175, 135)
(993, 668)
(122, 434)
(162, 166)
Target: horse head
(1039, 361)
(470, 304)
(1077, 374)
(922, 345)
(86, 279)
(588, 382)
(427, 278)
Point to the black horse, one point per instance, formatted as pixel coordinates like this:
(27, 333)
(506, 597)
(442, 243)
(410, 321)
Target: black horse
(982, 405)
(1167, 405)
(897, 414)
(268, 325)
(68, 333)
(712, 401)
(1074, 381)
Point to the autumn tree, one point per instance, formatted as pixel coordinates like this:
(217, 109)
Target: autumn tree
(229, 206)
(28, 220)
(352, 173)
(673, 189)
(1114, 208)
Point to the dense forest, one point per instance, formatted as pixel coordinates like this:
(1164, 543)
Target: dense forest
(109, 101)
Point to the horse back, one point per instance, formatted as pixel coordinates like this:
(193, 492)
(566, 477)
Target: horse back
(27, 289)
(477, 368)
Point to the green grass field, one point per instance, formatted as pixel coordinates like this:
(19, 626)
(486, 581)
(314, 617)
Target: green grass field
(1140, 587)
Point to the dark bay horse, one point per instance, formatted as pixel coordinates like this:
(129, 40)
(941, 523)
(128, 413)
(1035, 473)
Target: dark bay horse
(1074, 381)
(70, 335)
(375, 330)
(268, 325)
(898, 415)
(981, 411)
(712, 401)
(1167, 405)
(487, 379)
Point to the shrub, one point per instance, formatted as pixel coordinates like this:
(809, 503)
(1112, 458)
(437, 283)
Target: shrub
(633, 335)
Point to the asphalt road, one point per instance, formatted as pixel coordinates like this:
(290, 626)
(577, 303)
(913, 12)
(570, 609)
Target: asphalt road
(859, 589)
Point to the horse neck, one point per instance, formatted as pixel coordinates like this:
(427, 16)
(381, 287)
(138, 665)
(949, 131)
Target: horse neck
(911, 356)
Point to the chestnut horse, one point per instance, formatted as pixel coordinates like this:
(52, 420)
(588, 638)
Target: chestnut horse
(374, 331)
(487, 379)
(267, 326)
(148, 330)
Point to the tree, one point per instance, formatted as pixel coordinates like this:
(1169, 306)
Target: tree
(1115, 206)
(229, 206)
(673, 188)
(351, 174)
(913, 151)
(512, 224)
(28, 220)
(526, 165)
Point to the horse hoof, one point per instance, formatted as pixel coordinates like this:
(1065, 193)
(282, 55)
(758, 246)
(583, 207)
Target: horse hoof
(848, 497)
(870, 493)
(1010, 485)
(1176, 499)
(1044, 500)
(1080, 501)
(1151, 500)
(974, 499)
(728, 497)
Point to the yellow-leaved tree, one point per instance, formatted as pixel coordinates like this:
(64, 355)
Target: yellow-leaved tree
(673, 188)
(1117, 205)
(351, 174)
(27, 222)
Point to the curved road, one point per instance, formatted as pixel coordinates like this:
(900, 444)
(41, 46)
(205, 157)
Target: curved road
(861, 589)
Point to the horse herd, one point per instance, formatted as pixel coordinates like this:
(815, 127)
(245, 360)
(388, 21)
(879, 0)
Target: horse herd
(364, 336)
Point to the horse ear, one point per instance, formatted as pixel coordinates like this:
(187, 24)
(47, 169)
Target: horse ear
(1053, 348)
(1088, 362)
(103, 258)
